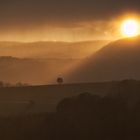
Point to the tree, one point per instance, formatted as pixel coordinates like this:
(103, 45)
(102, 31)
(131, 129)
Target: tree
(60, 80)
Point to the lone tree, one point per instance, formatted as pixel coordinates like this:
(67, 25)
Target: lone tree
(60, 80)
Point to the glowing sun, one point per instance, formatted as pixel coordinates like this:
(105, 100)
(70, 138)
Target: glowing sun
(130, 28)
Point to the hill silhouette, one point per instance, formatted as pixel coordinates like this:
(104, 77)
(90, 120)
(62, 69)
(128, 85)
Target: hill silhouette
(32, 71)
(50, 49)
(116, 61)
(41, 62)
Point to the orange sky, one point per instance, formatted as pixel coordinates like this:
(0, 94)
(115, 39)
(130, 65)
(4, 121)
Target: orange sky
(63, 20)
(83, 31)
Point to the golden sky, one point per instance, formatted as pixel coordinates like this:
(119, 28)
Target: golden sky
(63, 20)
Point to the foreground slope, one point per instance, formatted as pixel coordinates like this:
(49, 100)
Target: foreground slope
(39, 99)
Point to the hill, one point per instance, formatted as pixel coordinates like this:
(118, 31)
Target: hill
(33, 71)
(116, 61)
(50, 50)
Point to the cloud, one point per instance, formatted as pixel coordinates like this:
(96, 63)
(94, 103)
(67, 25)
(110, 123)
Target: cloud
(59, 11)
(35, 14)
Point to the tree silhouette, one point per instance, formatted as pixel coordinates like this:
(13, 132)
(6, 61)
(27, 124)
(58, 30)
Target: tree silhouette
(60, 80)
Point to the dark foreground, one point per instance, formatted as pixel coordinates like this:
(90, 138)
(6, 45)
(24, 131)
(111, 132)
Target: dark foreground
(84, 117)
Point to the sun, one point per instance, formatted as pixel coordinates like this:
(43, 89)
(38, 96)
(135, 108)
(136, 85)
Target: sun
(130, 28)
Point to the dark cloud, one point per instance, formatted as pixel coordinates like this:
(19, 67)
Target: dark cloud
(62, 11)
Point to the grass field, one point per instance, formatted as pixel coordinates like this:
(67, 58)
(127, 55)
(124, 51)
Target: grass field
(35, 99)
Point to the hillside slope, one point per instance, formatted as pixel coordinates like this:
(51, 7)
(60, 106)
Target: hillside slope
(117, 61)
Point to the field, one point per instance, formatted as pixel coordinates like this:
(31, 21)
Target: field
(37, 99)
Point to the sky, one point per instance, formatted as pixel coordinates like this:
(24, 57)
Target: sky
(63, 20)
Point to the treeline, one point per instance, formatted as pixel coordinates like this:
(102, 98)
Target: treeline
(85, 117)
(18, 84)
